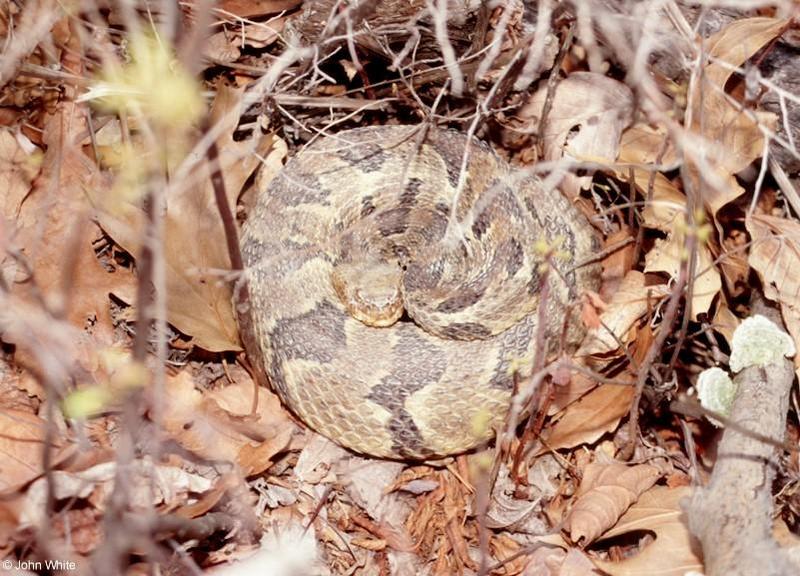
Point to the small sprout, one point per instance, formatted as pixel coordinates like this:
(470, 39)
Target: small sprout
(704, 233)
(759, 342)
(519, 365)
(541, 247)
(544, 248)
(153, 84)
(113, 358)
(86, 402)
(130, 376)
(122, 375)
(716, 391)
(480, 423)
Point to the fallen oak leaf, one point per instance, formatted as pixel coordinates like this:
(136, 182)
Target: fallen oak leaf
(725, 322)
(199, 294)
(54, 229)
(220, 425)
(586, 420)
(666, 211)
(588, 114)
(668, 255)
(775, 256)
(673, 553)
(22, 444)
(17, 170)
(148, 485)
(557, 562)
(249, 9)
(730, 138)
(605, 493)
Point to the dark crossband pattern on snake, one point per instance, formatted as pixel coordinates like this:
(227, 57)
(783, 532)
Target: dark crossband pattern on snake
(394, 294)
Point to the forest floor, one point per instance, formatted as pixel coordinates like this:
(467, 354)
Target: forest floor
(134, 436)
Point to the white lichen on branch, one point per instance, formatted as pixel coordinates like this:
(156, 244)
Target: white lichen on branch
(759, 342)
(716, 392)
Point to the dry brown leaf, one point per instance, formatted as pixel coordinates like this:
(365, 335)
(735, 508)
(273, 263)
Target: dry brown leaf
(55, 233)
(725, 322)
(148, 484)
(195, 250)
(219, 425)
(666, 211)
(642, 145)
(577, 563)
(249, 8)
(673, 553)
(505, 549)
(565, 394)
(775, 256)
(223, 47)
(731, 138)
(605, 493)
(617, 264)
(645, 144)
(669, 254)
(586, 420)
(629, 303)
(367, 482)
(226, 45)
(546, 561)
(588, 114)
(22, 442)
(262, 34)
(517, 515)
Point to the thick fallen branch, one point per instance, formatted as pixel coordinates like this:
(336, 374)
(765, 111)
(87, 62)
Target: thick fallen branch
(732, 516)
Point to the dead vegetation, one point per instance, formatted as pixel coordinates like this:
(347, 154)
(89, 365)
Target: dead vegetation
(135, 438)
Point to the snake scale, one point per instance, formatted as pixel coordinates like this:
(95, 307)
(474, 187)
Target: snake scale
(394, 294)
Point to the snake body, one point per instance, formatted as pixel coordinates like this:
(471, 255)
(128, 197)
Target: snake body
(395, 294)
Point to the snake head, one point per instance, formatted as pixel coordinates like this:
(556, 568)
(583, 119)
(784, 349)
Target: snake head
(370, 291)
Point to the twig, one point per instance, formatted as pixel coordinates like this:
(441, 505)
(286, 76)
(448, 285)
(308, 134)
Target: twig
(732, 516)
(35, 22)
(438, 12)
(552, 82)
(654, 350)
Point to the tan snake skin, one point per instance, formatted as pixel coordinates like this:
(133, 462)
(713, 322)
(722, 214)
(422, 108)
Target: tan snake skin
(371, 215)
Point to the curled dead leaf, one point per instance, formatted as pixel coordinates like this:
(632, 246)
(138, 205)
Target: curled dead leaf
(673, 553)
(617, 323)
(668, 255)
(220, 424)
(605, 493)
(730, 138)
(249, 9)
(588, 114)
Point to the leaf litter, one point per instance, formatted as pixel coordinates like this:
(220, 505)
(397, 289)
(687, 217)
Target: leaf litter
(217, 454)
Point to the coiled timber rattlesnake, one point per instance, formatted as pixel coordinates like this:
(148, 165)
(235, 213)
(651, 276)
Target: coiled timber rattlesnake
(390, 308)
